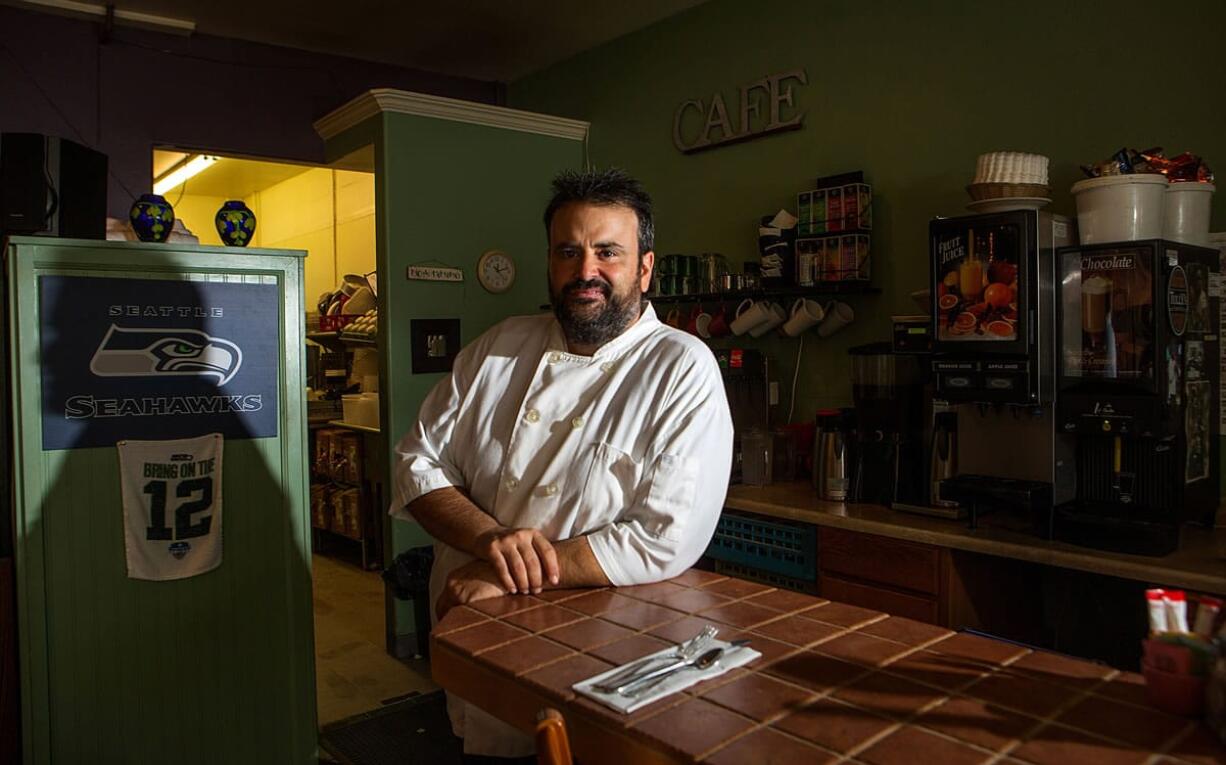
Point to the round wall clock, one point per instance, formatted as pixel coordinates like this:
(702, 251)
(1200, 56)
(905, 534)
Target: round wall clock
(496, 271)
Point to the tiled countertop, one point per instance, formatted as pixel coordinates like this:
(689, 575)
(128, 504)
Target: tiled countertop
(835, 683)
(1199, 564)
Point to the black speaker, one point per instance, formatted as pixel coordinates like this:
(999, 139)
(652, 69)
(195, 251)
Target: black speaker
(51, 186)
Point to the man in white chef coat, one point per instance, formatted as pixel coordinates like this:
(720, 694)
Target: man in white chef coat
(579, 449)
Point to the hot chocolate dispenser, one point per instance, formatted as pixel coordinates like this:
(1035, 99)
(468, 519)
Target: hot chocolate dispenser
(1137, 400)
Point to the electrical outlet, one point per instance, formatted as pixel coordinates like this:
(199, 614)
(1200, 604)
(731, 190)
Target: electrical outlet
(774, 393)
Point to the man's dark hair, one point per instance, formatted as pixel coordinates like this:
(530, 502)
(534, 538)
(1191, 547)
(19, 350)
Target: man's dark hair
(604, 187)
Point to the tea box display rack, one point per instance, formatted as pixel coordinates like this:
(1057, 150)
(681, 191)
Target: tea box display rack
(832, 233)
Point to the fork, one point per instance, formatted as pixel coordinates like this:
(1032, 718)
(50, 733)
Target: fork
(687, 650)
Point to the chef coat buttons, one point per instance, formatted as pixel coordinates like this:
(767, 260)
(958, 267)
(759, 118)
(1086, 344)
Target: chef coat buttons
(511, 483)
(607, 366)
(576, 423)
(555, 357)
(551, 490)
(532, 416)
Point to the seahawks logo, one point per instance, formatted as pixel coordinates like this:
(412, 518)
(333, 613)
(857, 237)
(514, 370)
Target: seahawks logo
(149, 352)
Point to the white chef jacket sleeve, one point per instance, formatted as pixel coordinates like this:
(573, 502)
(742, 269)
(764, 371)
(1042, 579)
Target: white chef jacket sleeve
(423, 460)
(676, 509)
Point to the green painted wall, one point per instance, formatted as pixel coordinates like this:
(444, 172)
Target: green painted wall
(909, 92)
(445, 192)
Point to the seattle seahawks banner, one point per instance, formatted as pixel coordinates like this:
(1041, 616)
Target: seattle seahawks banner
(171, 506)
(156, 359)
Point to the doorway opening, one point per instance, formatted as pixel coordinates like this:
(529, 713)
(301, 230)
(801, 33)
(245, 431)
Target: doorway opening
(330, 213)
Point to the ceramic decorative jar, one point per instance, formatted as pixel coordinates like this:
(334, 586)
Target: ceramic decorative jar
(152, 218)
(235, 223)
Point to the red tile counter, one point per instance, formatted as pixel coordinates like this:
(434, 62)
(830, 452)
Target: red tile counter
(835, 683)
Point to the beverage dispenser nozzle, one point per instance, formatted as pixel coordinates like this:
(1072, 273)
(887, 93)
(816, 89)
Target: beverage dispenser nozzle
(1121, 482)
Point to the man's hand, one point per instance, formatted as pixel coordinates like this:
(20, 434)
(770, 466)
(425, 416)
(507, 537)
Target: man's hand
(468, 584)
(523, 559)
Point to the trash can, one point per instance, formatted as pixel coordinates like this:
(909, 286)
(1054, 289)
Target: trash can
(409, 578)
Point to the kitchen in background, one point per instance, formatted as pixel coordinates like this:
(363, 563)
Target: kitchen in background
(329, 213)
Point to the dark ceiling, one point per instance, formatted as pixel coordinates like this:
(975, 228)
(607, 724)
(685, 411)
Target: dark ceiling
(498, 40)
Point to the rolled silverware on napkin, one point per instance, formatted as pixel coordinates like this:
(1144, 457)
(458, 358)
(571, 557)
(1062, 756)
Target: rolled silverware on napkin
(665, 683)
(689, 649)
(699, 662)
(705, 661)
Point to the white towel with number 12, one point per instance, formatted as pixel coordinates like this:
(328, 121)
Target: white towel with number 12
(171, 506)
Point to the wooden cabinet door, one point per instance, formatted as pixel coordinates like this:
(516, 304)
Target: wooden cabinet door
(923, 609)
(880, 560)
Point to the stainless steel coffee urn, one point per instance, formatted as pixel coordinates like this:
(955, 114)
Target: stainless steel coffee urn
(831, 467)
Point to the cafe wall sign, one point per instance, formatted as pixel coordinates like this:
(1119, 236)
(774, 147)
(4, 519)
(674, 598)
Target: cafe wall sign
(699, 125)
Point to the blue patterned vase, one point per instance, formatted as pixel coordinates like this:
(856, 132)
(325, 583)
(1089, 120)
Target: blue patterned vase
(235, 223)
(152, 218)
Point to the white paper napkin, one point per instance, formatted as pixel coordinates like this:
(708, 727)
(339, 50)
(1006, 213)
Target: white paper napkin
(678, 681)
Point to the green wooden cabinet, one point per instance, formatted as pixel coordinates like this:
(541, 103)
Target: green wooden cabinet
(216, 668)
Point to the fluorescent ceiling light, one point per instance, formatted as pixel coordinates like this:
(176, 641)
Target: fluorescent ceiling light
(98, 12)
(188, 168)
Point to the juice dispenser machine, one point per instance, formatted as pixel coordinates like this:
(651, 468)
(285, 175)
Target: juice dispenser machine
(1138, 378)
(993, 309)
(993, 319)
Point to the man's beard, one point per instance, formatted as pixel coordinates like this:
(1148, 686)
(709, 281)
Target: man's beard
(583, 327)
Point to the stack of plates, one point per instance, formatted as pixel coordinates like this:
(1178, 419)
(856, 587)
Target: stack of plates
(1007, 196)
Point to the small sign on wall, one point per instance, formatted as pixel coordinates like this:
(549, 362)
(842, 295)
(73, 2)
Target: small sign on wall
(435, 274)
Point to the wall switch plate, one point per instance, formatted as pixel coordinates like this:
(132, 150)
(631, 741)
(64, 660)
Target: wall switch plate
(434, 344)
(774, 393)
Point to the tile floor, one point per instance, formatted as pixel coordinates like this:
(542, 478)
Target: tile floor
(353, 672)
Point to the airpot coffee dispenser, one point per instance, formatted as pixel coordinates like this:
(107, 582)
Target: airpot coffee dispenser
(943, 457)
(832, 453)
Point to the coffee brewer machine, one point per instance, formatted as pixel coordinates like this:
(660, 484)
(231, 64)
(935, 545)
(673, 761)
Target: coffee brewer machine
(888, 390)
(1138, 378)
(745, 383)
(993, 319)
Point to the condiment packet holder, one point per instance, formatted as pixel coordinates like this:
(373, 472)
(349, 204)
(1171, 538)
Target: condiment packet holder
(678, 681)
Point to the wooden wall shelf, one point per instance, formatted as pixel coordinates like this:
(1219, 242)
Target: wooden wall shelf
(820, 290)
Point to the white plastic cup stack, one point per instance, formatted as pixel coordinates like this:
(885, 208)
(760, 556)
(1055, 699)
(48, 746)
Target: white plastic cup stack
(1186, 214)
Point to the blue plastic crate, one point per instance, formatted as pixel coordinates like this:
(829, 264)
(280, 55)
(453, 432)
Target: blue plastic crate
(780, 547)
(765, 577)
